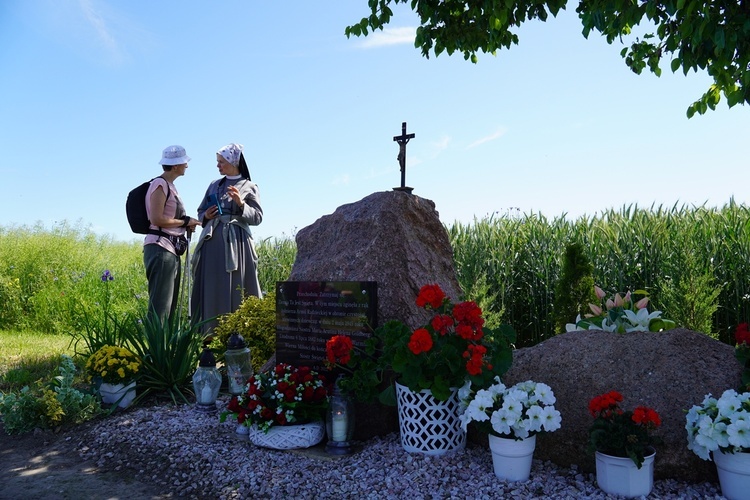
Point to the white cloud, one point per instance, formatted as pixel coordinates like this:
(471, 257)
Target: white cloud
(499, 133)
(440, 145)
(389, 36)
(341, 180)
(103, 32)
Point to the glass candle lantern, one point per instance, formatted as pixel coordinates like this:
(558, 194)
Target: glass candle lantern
(206, 382)
(239, 365)
(339, 422)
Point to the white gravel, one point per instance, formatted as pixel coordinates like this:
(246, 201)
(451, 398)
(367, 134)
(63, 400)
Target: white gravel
(192, 455)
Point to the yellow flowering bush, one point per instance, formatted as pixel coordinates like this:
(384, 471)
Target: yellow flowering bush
(115, 365)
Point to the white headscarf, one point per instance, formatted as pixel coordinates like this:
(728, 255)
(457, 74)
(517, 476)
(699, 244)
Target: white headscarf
(231, 153)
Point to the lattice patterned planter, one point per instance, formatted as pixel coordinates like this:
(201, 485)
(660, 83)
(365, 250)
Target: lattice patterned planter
(288, 437)
(427, 425)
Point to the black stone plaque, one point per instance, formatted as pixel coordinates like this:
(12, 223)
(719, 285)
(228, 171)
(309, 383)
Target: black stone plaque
(308, 313)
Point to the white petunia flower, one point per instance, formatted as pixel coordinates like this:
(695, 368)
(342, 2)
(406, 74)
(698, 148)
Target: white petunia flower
(521, 429)
(501, 422)
(729, 403)
(551, 419)
(534, 418)
(739, 433)
(512, 406)
(543, 394)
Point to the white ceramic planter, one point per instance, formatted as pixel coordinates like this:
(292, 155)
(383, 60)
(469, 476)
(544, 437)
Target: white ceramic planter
(620, 476)
(734, 474)
(512, 459)
(427, 425)
(120, 394)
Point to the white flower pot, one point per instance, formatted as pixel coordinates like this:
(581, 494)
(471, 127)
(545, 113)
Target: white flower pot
(120, 394)
(427, 425)
(620, 476)
(734, 474)
(288, 437)
(512, 459)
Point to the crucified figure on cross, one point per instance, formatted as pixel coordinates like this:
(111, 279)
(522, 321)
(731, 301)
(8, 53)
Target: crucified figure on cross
(403, 140)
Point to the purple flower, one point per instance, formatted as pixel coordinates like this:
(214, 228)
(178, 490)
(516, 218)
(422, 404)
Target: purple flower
(107, 276)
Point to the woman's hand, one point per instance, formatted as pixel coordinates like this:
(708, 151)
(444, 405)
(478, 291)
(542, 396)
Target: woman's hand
(212, 212)
(234, 193)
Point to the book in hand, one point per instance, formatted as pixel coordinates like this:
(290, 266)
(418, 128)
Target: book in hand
(214, 200)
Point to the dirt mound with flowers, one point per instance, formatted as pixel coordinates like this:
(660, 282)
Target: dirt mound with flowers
(668, 371)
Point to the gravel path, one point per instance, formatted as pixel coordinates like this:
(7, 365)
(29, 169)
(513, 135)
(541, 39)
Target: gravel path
(194, 456)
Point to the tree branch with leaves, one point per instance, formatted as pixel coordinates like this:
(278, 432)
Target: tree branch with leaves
(698, 35)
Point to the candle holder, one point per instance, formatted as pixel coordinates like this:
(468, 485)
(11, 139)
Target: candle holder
(206, 383)
(239, 363)
(339, 422)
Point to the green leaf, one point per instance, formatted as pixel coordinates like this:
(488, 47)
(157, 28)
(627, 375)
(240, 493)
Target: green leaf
(719, 38)
(675, 65)
(388, 396)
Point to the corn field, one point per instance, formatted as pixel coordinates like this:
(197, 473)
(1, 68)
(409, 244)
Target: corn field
(694, 263)
(684, 257)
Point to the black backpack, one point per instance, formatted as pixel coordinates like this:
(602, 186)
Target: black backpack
(135, 208)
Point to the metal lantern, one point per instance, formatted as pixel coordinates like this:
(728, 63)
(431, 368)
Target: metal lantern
(339, 422)
(239, 365)
(206, 382)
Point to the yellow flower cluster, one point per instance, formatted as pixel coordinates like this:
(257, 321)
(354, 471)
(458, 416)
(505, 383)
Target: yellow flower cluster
(115, 365)
(53, 410)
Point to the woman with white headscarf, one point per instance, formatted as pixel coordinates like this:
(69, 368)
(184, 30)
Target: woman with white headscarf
(225, 263)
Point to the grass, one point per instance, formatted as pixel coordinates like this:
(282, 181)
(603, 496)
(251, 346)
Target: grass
(29, 356)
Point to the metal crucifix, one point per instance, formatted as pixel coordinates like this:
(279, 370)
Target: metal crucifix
(403, 140)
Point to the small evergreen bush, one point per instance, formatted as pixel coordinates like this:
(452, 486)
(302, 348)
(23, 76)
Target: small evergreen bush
(692, 297)
(575, 289)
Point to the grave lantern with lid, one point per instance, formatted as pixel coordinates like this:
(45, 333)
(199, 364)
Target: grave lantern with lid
(239, 365)
(206, 382)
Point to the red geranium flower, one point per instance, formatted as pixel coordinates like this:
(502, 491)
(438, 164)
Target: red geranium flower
(646, 416)
(605, 404)
(431, 295)
(469, 313)
(339, 349)
(742, 335)
(475, 353)
(420, 341)
(442, 323)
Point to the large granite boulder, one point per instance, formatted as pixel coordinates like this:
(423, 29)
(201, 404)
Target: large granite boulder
(393, 238)
(668, 371)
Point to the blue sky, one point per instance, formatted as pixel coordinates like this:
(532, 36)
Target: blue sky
(93, 90)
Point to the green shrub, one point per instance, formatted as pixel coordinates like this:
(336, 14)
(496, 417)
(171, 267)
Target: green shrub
(255, 320)
(44, 407)
(691, 298)
(23, 411)
(575, 289)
